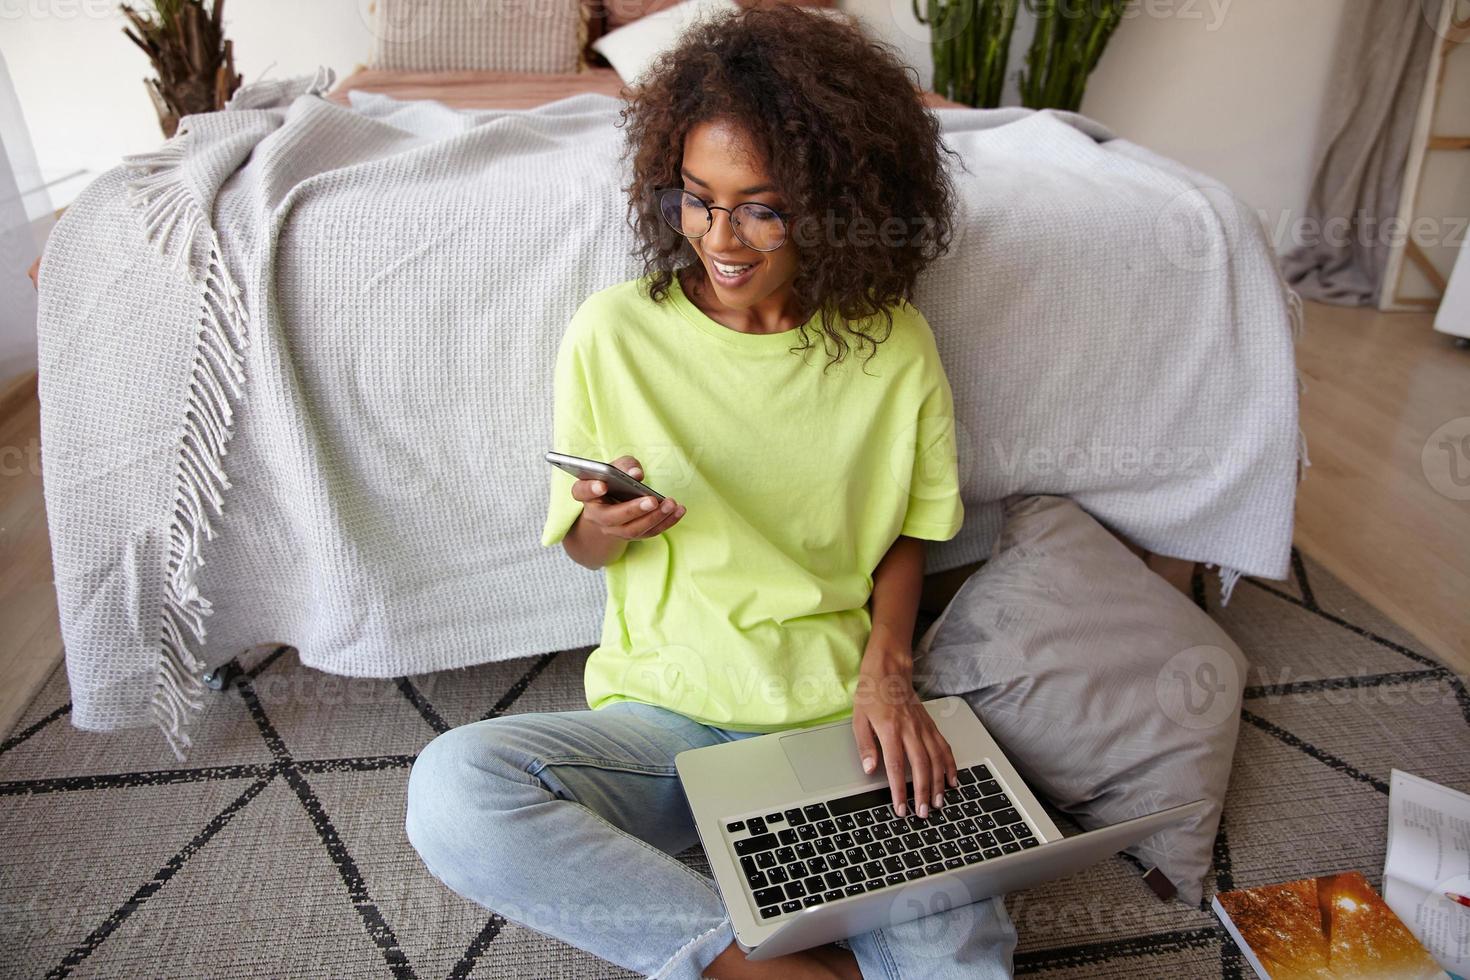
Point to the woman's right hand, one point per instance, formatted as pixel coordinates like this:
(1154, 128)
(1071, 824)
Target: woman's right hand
(630, 520)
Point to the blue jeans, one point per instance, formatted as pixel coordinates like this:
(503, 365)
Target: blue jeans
(567, 822)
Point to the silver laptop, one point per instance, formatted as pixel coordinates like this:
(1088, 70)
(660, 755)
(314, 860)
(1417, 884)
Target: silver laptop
(806, 849)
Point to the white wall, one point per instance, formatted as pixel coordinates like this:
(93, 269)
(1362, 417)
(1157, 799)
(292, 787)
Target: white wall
(80, 81)
(1240, 101)
(1232, 88)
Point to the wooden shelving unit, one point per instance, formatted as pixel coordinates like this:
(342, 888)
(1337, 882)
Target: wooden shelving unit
(1417, 271)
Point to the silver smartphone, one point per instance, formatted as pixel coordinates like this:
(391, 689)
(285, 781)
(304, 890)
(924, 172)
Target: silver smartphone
(620, 486)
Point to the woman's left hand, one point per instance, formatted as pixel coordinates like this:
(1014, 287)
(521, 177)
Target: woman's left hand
(893, 728)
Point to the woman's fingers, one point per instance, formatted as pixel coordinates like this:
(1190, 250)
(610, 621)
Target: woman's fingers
(939, 760)
(630, 466)
(867, 742)
(585, 490)
(636, 518)
(918, 754)
(894, 766)
(912, 750)
(668, 520)
(588, 490)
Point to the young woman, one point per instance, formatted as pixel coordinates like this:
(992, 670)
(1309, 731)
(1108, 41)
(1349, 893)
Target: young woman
(767, 376)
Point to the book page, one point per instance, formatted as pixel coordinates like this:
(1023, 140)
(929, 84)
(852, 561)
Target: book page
(1429, 855)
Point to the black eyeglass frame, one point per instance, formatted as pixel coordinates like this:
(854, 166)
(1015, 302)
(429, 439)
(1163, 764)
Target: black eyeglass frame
(710, 209)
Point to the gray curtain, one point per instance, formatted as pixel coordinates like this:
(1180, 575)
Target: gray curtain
(1373, 96)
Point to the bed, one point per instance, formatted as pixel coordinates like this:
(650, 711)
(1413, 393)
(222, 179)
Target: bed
(501, 89)
(280, 353)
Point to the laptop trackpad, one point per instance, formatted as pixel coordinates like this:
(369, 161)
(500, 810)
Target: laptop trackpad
(824, 758)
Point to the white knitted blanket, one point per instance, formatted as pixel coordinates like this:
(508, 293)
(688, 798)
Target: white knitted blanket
(363, 307)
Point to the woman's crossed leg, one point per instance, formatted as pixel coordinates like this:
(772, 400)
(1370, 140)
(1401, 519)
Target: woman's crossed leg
(567, 823)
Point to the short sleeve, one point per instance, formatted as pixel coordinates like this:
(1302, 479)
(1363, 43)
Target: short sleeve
(935, 511)
(574, 432)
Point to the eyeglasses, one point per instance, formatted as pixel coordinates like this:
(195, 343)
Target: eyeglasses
(758, 226)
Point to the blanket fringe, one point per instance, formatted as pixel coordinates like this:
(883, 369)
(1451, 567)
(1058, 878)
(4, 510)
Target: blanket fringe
(1296, 312)
(1297, 315)
(1228, 579)
(178, 227)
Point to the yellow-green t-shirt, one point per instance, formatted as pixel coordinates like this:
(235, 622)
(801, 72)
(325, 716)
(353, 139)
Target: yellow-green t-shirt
(751, 612)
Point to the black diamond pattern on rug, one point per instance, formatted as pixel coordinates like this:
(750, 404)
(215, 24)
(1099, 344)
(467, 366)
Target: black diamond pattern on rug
(277, 849)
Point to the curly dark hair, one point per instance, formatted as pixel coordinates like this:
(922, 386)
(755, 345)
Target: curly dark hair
(844, 135)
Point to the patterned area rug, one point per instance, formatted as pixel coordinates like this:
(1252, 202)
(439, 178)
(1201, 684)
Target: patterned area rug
(278, 849)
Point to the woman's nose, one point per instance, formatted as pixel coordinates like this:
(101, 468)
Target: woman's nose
(721, 234)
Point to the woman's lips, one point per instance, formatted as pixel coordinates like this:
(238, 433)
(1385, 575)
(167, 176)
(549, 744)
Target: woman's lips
(726, 275)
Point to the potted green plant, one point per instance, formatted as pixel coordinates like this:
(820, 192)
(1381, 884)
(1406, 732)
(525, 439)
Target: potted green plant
(1069, 40)
(971, 41)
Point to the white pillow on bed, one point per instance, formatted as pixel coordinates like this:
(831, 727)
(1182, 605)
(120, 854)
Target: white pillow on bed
(632, 48)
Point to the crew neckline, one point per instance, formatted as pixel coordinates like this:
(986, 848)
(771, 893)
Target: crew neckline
(781, 340)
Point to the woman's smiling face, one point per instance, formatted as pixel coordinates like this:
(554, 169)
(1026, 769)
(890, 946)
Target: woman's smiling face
(722, 167)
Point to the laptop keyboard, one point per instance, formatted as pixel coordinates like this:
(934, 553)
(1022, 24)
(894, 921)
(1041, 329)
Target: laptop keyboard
(809, 855)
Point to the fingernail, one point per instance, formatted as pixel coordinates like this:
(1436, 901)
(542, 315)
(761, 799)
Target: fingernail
(900, 809)
(867, 763)
(636, 471)
(597, 487)
(939, 799)
(923, 810)
(647, 503)
(668, 507)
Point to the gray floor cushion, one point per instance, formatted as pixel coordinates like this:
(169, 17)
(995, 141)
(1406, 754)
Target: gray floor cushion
(1112, 693)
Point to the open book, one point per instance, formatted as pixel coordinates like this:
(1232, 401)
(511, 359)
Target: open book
(1321, 928)
(1429, 856)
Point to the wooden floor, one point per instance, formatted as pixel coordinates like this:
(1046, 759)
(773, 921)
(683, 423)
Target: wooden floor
(1377, 387)
(30, 634)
